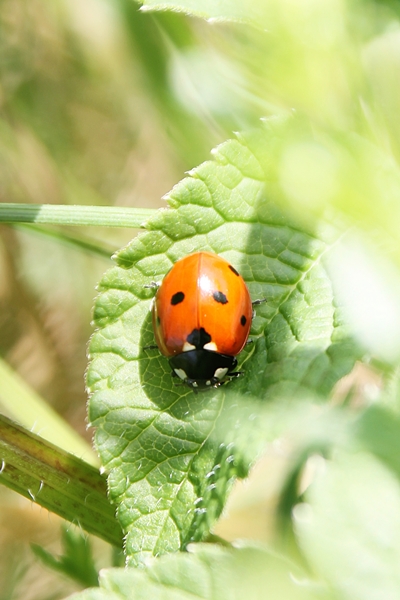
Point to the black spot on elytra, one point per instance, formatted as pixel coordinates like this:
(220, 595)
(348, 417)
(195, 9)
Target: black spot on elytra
(199, 338)
(233, 270)
(177, 298)
(220, 297)
(243, 320)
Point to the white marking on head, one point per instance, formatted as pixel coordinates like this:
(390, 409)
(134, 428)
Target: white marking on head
(220, 373)
(194, 384)
(211, 346)
(181, 374)
(208, 382)
(187, 347)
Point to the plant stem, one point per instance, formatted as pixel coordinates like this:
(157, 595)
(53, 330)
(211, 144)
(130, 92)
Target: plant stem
(56, 214)
(24, 405)
(57, 481)
(78, 242)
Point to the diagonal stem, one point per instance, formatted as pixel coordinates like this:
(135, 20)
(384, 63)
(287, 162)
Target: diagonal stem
(56, 480)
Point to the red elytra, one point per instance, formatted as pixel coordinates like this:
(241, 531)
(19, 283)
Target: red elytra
(202, 316)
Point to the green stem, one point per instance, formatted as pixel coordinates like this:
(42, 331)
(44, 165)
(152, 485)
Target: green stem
(76, 241)
(57, 481)
(24, 405)
(109, 216)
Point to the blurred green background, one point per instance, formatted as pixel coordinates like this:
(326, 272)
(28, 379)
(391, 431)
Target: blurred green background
(103, 104)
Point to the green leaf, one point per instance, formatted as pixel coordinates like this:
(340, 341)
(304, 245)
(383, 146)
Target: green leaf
(210, 573)
(349, 528)
(169, 466)
(378, 431)
(76, 561)
(221, 10)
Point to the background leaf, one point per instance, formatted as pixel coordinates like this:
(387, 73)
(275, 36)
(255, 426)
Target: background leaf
(350, 529)
(209, 572)
(77, 559)
(219, 10)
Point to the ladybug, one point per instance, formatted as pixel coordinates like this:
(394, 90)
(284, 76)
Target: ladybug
(202, 315)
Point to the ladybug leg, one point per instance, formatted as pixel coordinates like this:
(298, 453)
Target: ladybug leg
(150, 347)
(236, 374)
(227, 379)
(179, 383)
(249, 341)
(154, 285)
(185, 382)
(229, 376)
(259, 301)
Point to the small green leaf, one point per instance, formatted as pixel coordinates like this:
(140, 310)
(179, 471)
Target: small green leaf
(77, 560)
(169, 472)
(349, 528)
(209, 573)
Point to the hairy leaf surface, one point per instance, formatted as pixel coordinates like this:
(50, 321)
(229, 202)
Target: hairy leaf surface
(169, 465)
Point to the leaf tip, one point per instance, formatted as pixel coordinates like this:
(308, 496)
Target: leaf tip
(192, 172)
(145, 8)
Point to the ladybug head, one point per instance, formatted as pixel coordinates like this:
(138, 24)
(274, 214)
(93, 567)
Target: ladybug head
(203, 369)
